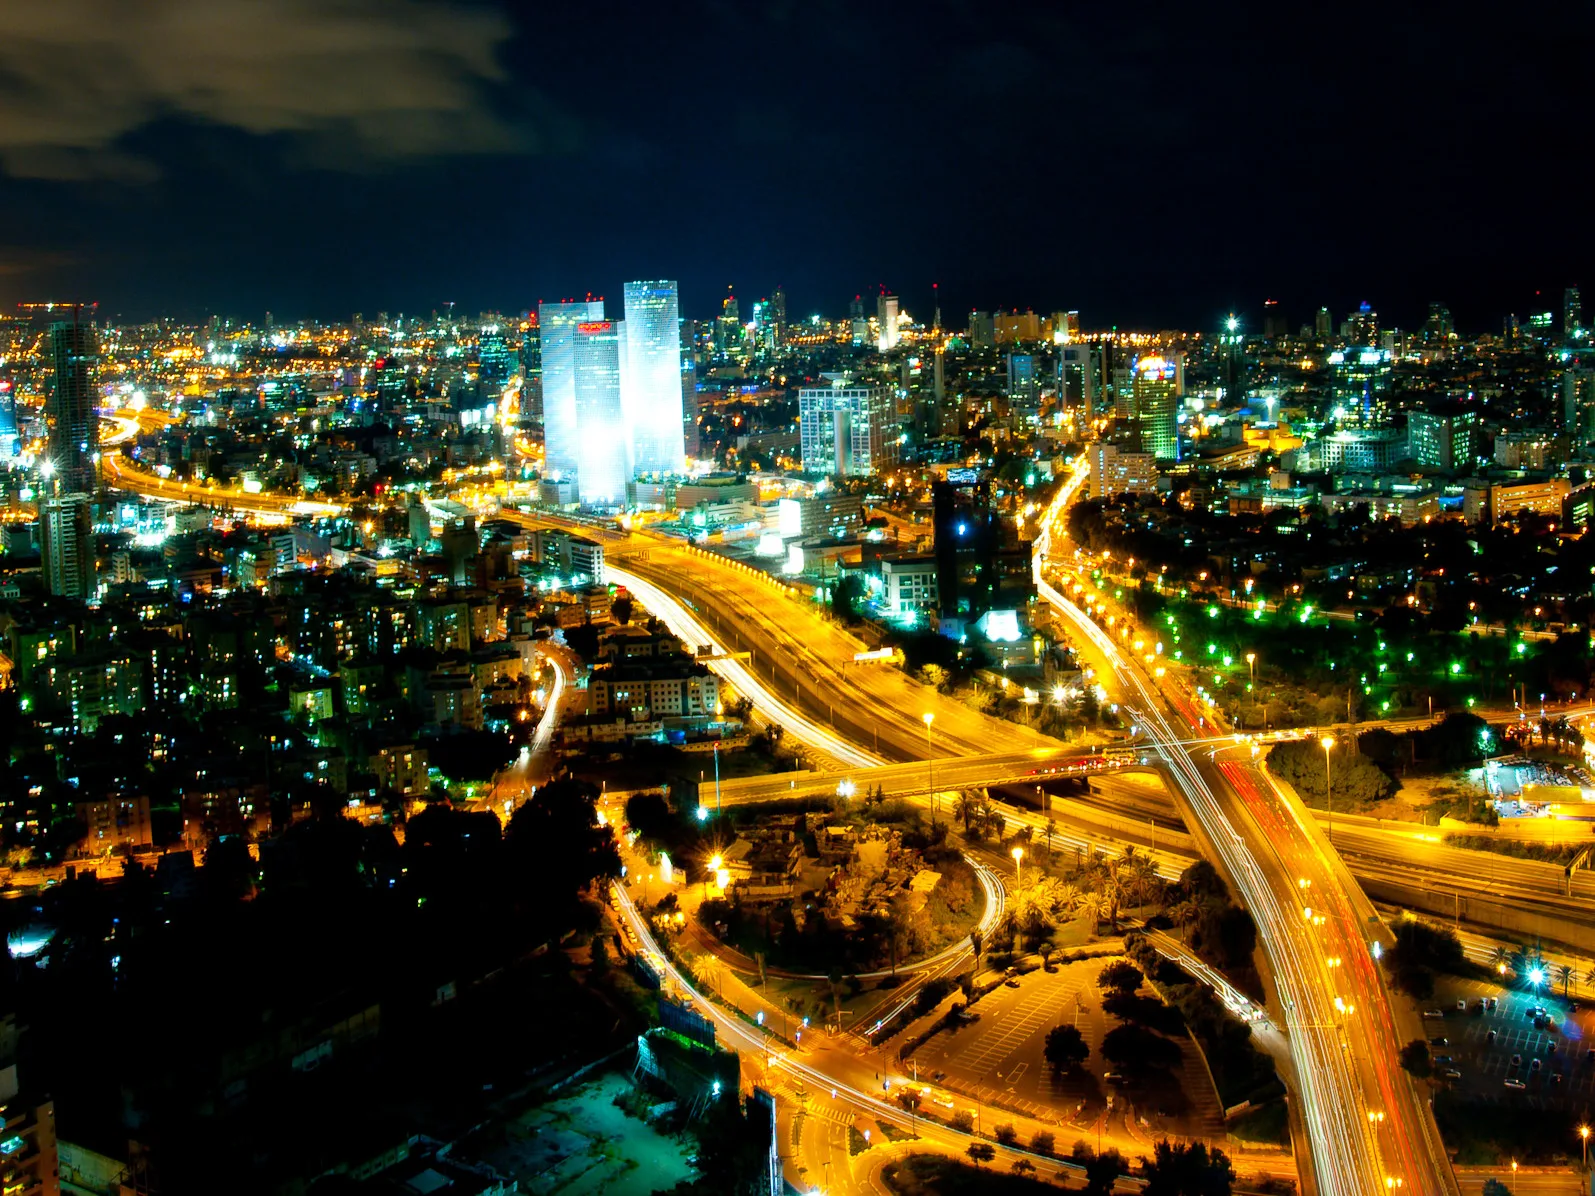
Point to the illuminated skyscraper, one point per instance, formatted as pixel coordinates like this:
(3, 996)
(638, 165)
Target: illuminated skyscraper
(846, 428)
(1572, 313)
(605, 447)
(74, 423)
(651, 377)
(886, 317)
(1155, 399)
(66, 542)
(556, 334)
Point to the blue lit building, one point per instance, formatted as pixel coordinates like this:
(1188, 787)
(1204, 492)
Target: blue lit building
(651, 390)
(604, 444)
(556, 334)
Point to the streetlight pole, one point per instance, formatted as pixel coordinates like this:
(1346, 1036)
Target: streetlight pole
(1583, 1136)
(1328, 741)
(1018, 854)
(1251, 666)
(930, 765)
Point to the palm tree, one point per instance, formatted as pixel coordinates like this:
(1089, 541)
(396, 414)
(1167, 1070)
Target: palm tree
(1500, 957)
(1564, 977)
(968, 805)
(1094, 904)
(1051, 829)
(1184, 914)
(706, 970)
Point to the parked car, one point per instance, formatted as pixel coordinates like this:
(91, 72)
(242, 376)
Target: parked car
(1515, 1085)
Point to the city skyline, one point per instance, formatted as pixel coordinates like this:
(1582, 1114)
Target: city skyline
(1329, 170)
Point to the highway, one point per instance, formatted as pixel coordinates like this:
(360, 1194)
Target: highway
(122, 475)
(534, 765)
(1365, 1123)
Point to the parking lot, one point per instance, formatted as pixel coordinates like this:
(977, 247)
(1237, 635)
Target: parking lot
(998, 1058)
(1565, 1077)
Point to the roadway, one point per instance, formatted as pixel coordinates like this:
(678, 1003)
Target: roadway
(122, 475)
(535, 764)
(1366, 1126)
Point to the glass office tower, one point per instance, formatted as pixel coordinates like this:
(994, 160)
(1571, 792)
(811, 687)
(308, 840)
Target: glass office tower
(556, 335)
(70, 404)
(605, 447)
(651, 377)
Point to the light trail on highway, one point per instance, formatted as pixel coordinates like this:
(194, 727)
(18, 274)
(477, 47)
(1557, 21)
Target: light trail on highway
(1351, 1151)
(689, 629)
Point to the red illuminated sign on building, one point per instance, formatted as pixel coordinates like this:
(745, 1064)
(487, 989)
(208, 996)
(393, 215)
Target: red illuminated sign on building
(595, 326)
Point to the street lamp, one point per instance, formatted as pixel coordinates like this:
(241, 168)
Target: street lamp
(930, 764)
(1251, 664)
(1583, 1136)
(1328, 741)
(1018, 854)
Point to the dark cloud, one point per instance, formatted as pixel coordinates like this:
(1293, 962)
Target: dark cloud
(360, 81)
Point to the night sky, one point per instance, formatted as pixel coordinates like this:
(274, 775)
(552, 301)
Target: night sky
(316, 158)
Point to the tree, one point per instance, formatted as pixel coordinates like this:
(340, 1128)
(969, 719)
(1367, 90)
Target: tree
(1005, 1133)
(1494, 1187)
(1134, 1047)
(1564, 977)
(621, 608)
(1066, 1048)
(1415, 1058)
(962, 1120)
(1181, 1170)
(1023, 1166)
(1043, 1142)
(1120, 975)
(1102, 1172)
(981, 1152)
(967, 808)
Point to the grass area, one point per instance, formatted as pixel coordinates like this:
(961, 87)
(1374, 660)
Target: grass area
(1551, 853)
(1485, 1134)
(1267, 1125)
(936, 1175)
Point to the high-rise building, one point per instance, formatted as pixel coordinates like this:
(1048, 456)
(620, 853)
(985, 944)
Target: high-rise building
(1114, 471)
(886, 317)
(1578, 404)
(846, 428)
(691, 434)
(651, 378)
(605, 446)
(66, 542)
(1079, 370)
(1015, 327)
(493, 357)
(556, 335)
(1572, 313)
(1446, 442)
(1065, 327)
(74, 423)
(1323, 325)
(982, 330)
(1024, 386)
(1439, 328)
(1155, 404)
(1362, 326)
(1274, 326)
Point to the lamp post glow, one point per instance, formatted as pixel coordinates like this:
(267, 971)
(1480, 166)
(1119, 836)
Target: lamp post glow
(1251, 665)
(1328, 741)
(1583, 1136)
(1018, 854)
(930, 765)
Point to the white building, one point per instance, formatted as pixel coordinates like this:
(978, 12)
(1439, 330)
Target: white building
(600, 418)
(651, 390)
(1114, 471)
(910, 583)
(556, 335)
(846, 429)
